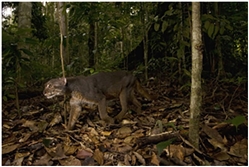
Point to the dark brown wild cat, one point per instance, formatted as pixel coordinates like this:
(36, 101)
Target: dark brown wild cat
(97, 89)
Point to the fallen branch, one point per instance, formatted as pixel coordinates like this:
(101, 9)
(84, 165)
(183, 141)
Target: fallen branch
(154, 139)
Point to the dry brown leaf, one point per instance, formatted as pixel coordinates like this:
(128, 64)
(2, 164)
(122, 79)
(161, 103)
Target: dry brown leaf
(120, 163)
(139, 133)
(124, 130)
(86, 138)
(89, 161)
(69, 150)
(218, 163)
(95, 139)
(128, 140)
(6, 126)
(99, 156)
(177, 151)
(43, 161)
(212, 133)
(31, 125)
(24, 154)
(82, 154)
(56, 152)
(18, 161)
(93, 132)
(19, 158)
(188, 151)
(240, 148)
(133, 160)
(151, 120)
(71, 161)
(216, 144)
(108, 156)
(221, 125)
(89, 122)
(42, 125)
(221, 156)
(60, 151)
(25, 138)
(139, 157)
(127, 159)
(8, 148)
(117, 141)
(156, 130)
(124, 149)
(154, 159)
(106, 133)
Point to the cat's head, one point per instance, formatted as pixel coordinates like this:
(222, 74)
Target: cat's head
(55, 87)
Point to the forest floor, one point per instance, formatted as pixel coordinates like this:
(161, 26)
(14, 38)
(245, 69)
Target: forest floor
(159, 136)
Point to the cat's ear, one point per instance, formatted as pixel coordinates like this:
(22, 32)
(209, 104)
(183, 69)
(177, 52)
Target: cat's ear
(64, 80)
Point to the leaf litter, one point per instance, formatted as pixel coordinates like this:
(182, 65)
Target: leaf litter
(159, 136)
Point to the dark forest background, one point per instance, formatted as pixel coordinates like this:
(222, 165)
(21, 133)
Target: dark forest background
(112, 36)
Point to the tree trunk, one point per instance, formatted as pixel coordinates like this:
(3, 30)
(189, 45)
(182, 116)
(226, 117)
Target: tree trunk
(24, 14)
(145, 41)
(181, 37)
(91, 60)
(63, 47)
(54, 17)
(62, 23)
(221, 71)
(122, 44)
(91, 45)
(196, 96)
(95, 44)
(24, 22)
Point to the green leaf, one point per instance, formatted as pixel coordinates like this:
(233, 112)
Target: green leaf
(172, 59)
(176, 27)
(27, 52)
(47, 142)
(6, 37)
(207, 16)
(162, 145)
(188, 73)
(210, 30)
(206, 25)
(156, 26)
(229, 27)
(185, 43)
(241, 80)
(22, 31)
(216, 29)
(5, 98)
(11, 96)
(92, 71)
(31, 41)
(21, 85)
(164, 26)
(222, 29)
(238, 120)
(168, 12)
